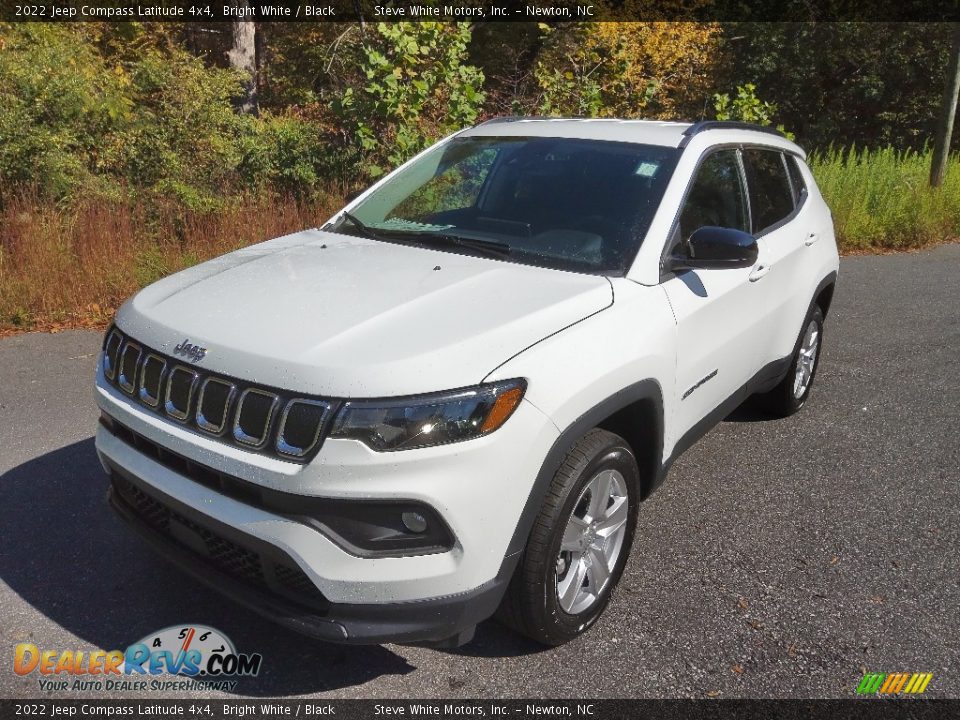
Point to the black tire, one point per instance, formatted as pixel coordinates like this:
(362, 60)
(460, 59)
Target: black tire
(782, 401)
(531, 604)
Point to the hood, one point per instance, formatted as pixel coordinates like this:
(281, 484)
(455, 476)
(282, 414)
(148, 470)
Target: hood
(329, 314)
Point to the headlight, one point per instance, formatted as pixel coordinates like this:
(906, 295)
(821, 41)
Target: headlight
(426, 420)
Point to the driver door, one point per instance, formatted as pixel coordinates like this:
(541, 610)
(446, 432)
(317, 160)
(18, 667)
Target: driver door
(719, 315)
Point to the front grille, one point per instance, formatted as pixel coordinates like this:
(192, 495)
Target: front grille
(245, 564)
(253, 417)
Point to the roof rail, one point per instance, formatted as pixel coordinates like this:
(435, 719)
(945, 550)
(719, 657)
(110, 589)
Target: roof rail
(703, 125)
(508, 118)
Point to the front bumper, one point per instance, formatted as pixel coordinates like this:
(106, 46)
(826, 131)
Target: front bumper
(446, 620)
(479, 488)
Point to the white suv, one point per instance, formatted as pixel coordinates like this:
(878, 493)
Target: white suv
(452, 397)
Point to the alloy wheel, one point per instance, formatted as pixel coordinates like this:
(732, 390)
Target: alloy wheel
(592, 541)
(806, 360)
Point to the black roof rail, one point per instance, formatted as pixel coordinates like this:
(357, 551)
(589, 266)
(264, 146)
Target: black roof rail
(704, 125)
(508, 118)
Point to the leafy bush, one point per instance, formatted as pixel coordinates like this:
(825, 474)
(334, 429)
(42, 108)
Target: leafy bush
(183, 139)
(417, 89)
(627, 69)
(58, 101)
(285, 154)
(746, 106)
(159, 124)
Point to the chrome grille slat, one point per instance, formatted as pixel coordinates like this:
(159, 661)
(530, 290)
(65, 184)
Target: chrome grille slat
(176, 390)
(206, 410)
(151, 394)
(111, 354)
(128, 383)
(242, 426)
(288, 448)
(180, 379)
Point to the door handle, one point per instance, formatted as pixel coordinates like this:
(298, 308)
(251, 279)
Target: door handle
(811, 239)
(758, 272)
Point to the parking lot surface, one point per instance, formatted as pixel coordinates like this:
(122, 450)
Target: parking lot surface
(782, 558)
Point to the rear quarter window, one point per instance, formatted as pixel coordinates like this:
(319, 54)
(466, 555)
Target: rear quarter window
(771, 195)
(797, 183)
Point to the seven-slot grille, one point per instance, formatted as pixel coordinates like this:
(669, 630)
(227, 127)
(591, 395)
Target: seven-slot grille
(246, 415)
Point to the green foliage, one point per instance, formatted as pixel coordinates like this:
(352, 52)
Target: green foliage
(882, 199)
(74, 121)
(183, 141)
(746, 106)
(284, 153)
(572, 88)
(626, 69)
(58, 99)
(873, 84)
(150, 264)
(417, 87)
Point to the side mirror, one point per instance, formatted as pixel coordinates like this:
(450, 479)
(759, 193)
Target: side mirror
(713, 247)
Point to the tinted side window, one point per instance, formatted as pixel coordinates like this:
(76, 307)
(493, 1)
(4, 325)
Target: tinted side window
(716, 196)
(771, 198)
(796, 179)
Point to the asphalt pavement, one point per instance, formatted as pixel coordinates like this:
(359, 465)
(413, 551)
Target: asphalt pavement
(782, 558)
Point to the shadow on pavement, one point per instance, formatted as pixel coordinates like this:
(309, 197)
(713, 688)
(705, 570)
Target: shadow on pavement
(63, 552)
(749, 412)
(493, 640)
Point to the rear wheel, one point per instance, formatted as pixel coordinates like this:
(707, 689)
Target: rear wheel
(579, 543)
(792, 392)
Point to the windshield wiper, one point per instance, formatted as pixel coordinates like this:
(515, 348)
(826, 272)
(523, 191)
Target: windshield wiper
(364, 229)
(491, 248)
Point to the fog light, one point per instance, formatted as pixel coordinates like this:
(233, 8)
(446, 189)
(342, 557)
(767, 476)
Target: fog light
(414, 522)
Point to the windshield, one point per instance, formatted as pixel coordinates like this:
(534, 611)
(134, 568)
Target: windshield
(582, 205)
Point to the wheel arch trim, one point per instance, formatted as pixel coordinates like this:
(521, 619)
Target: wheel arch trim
(830, 279)
(645, 390)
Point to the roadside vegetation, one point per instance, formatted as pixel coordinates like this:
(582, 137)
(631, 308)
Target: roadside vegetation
(130, 151)
(882, 200)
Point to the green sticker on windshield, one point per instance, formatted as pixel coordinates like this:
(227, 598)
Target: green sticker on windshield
(647, 169)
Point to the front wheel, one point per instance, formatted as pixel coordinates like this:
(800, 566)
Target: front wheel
(579, 543)
(792, 392)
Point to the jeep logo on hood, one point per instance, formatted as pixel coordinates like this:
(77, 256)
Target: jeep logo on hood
(193, 352)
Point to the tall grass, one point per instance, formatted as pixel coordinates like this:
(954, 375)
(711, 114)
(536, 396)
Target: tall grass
(881, 199)
(72, 267)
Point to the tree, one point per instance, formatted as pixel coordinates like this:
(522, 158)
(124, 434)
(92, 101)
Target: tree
(243, 56)
(628, 69)
(941, 142)
(841, 83)
(417, 86)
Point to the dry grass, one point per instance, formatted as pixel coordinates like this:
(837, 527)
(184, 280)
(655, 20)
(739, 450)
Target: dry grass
(72, 267)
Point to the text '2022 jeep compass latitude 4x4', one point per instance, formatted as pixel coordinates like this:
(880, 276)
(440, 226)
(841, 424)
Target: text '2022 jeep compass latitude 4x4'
(451, 398)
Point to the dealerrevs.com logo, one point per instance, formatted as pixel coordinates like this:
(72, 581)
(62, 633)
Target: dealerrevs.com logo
(203, 658)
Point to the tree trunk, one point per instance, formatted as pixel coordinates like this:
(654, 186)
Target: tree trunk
(948, 109)
(243, 57)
